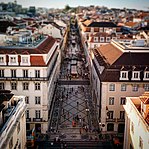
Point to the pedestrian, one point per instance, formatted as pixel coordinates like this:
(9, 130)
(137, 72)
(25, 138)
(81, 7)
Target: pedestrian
(62, 144)
(65, 145)
(64, 116)
(80, 130)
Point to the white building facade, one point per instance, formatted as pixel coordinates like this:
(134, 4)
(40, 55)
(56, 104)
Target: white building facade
(31, 70)
(12, 121)
(136, 134)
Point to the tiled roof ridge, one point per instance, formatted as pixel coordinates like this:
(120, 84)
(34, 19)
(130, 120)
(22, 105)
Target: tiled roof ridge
(145, 98)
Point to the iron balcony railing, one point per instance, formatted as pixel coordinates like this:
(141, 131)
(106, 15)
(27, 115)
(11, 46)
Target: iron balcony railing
(23, 79)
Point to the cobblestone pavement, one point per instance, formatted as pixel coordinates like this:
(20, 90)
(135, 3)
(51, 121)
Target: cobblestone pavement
(74, 116)
(71, 116)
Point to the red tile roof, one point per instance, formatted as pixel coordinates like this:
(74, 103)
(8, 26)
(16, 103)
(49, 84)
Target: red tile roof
(145, 98)
(110, 53)
(37, 61)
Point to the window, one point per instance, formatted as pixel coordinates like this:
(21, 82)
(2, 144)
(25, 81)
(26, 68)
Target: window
(110, 127)
(147, 75)
(37, 113)
(124, 75)
(132, 127)
(92, 29)
(146, 87)
(95, 39)
(121, 128)
(1, 59)
(111, 100)
(27, 99)
(101, 39)
(112, 87)
(114, 38)
(95, 45)
(101, 29)
(13, 73)
(1, 73)
(37, 99)
(11, 143)
(105, 29)
(122, 114)
(25, 85)
(37, 86)
(140, 143)
(108, 39)
(25, 73)
(110, 114)
(24, 59)
(12, 59)
(136, 75)
(18, 128)
(27, 114)
(114, 29)
(13, 85)
(123, 100)
(37, 73)
(135, 88)
(123, 87)
(2, 86)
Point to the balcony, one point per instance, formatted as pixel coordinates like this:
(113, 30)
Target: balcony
(110, 119)
(23, 79)
(28, 119)
(37, 119)
(120, 120)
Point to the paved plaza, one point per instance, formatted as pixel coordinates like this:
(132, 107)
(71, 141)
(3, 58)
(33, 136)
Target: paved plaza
(73, 117)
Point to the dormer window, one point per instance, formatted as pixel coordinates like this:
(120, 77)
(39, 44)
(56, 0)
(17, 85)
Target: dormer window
(101, 29)
(105, 29)
(3, 60)
(108, 39)
(95, 39)
(124, 75)
(114, 38)
(25, 60)
(92, 29)
(101, 39)
(135, 75)
(146, 75)
(114, 29)
(13, 60)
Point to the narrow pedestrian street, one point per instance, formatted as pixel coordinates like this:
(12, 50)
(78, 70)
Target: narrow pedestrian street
(74, 123)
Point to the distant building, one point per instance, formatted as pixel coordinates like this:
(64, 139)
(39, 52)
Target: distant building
(12, 121)
(137, 122)
(29, 64)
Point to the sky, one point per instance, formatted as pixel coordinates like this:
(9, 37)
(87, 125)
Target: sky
(137, 4)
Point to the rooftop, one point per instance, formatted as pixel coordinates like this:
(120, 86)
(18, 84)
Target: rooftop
(143, 110)
(41, 46)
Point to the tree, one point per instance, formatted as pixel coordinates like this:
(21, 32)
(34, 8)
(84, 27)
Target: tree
(67, 8)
